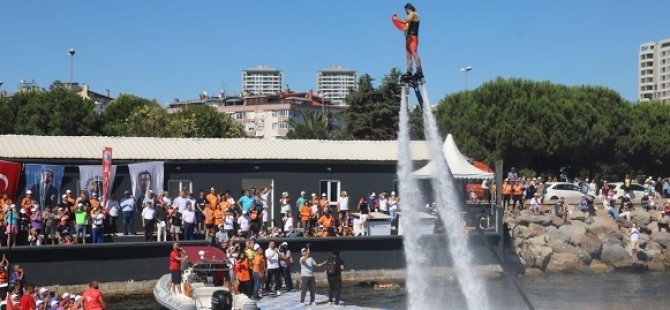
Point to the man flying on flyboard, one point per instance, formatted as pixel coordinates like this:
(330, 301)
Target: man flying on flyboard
(410, 26)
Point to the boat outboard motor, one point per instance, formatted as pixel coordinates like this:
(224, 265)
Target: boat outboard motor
(222, 300)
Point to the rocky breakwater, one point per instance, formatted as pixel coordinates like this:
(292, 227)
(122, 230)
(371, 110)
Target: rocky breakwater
(546, 243)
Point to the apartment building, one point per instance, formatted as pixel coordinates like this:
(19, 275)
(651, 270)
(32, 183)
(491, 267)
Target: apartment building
(335, 83)
(654, 71)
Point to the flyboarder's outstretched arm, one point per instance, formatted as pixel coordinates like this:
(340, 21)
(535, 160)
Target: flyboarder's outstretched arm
(409, 18)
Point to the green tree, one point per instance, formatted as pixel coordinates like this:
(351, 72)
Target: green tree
(542, 126)
(147, 121)
(203, 121)
(58, 111)
(313, 126)
(117, 112)
(372, 113)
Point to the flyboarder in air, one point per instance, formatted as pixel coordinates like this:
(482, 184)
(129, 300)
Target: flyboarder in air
(410, 26)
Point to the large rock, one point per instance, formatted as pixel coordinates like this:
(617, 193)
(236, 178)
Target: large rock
(575, 233)
(563, 262)
(537, 272)
(652, 227)
(556, 235)
(656, 264)
(537, 241)
(536, 230)
(562, 247)
(557, 221)
(525, 219)
(655, 215)
(541, 256)
(520, 232)
(591, 244)
(615, 255)
(662, 238)
(599, 267)
(578, 215)
(641, 217)
(602, 225)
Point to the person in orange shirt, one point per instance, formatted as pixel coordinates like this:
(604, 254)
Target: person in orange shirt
(212, 198)
(326, 221)
(517, 194)
(219, 214)
(305, 214)
(506, 193)
(324, 204)
(94, 201)
(209, 219)
(258, 268)
(243, 275)
(27, 201)
(224, 204)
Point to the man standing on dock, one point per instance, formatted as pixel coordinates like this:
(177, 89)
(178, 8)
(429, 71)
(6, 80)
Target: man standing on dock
(93, 297)
(176, 258)
(334, 268)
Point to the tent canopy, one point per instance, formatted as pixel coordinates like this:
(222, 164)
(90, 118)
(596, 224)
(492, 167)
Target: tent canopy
(459, 165)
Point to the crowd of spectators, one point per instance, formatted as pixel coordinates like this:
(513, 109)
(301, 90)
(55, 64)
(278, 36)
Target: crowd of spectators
(19, 294)
(521, 192)
(258, 272)
(215, 216)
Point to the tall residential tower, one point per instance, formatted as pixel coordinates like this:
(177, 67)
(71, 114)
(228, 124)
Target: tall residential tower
(654, 71)
(262, 80)
(335, 83)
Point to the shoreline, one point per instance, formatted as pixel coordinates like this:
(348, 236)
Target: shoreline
(350, 278)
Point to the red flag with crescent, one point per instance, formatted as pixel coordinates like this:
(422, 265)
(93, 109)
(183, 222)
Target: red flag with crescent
(106, 172)
(10, 172)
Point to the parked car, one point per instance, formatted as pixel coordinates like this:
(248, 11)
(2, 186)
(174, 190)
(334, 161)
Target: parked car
(636, 192)
(570, 192)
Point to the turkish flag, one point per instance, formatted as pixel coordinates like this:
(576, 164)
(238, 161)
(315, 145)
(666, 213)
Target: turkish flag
(10, 172)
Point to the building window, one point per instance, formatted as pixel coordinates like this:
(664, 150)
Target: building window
(283, 113)
(238, 116)
(332, 190)
(283, 125)
(176, 186)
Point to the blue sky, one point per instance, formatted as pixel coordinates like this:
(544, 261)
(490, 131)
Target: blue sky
(175, 49)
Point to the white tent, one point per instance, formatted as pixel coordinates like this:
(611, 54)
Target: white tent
(459, 165)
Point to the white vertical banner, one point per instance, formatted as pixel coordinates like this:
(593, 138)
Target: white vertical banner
(91, 179)
(146, 175)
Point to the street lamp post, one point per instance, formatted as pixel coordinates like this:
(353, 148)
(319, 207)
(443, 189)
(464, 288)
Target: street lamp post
(71, 52)
(465, 71)
(1, 88)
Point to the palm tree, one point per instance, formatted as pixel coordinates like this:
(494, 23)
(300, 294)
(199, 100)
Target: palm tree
(313, 126)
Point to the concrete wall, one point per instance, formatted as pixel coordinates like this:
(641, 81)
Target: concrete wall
(65, 265)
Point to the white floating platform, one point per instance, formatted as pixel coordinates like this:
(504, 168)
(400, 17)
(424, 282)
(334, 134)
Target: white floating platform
(291, 300)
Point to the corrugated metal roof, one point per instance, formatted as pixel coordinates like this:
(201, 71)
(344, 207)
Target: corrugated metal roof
(145, 148)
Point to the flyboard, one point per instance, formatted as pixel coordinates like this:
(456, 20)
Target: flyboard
(412, 80)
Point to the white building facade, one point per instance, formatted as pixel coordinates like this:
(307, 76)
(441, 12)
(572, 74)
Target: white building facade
(262, 80)
(654, 71)
(335, 83)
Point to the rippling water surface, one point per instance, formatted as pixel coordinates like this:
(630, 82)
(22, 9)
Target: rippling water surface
(581, 291)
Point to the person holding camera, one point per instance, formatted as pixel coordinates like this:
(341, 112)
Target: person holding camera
(308, 282)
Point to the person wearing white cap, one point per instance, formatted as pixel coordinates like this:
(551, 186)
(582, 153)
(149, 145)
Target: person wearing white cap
(324, 204)
(286, 262)
(301, 200)
(244, 223)
(343, 203)
(308, 282)
(393, 208)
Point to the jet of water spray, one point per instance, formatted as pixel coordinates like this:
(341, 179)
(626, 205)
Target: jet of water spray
(449, 204)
